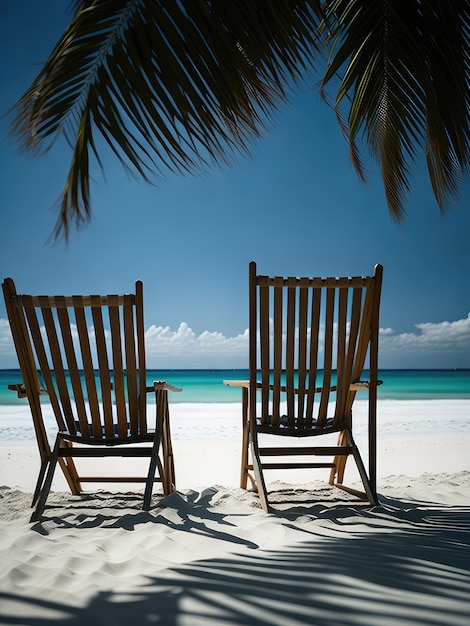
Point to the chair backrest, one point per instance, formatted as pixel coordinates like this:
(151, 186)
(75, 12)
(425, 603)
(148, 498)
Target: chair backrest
(309, 339)
(87, 353)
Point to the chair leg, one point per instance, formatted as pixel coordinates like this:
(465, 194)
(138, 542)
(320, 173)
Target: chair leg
(370, 493)
(337, 472)
(166, 464)
(69, 470)
(245, 440)
(150, 480)
(259, 477)
(244, 459)
(153, 467)
(41, 503)
(40, 480)
(168, 458)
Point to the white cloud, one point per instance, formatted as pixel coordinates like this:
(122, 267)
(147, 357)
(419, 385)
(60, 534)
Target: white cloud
(443, 344)
(431, 338)
(163, 344)
(7, 349)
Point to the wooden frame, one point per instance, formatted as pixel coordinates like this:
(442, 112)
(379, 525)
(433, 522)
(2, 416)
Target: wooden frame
(309, 340)
(95, 380)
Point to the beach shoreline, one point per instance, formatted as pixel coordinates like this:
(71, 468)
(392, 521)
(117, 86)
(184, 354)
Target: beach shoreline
(414, 437)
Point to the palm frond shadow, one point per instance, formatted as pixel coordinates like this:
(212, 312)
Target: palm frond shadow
(407, 560)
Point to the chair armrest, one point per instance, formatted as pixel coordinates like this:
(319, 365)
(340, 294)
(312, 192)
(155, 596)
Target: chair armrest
(246, 385)
(362, 385)
(357, 386)
(161, 384)
(21, 390)
(284, 388)
(237, 383)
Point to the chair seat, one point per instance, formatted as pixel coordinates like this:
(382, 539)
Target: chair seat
(298, 429)
(89, 440)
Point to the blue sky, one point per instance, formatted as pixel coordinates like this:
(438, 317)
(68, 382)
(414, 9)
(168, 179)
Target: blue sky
(296, 207)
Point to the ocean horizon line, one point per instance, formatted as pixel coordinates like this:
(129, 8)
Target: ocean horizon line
(205, 385)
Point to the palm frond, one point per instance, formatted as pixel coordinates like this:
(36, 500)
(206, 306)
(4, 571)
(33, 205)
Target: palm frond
(404, 85)
(170, 86)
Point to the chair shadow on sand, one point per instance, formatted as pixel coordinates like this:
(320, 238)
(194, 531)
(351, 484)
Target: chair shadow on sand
(402, 562)
(186, 512)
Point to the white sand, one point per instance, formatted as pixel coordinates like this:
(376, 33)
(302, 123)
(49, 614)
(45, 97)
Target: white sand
(208, 555)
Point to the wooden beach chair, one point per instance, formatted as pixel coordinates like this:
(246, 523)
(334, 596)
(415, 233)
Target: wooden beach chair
(95, 381)
(309, 339)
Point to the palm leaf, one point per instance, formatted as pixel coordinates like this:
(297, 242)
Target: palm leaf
(404, 89)
(170, 86)
(179, 86)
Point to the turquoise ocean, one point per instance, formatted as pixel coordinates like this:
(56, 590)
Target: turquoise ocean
(206, 386)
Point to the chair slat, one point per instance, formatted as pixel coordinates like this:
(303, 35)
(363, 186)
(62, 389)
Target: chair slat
(131, 365)
(34, 327)
(356, 313)
(363, 344)
(252, 349)
(364, 334)
(328, 357)
(302, 350)
(343, 299)
(88, 367)
(58, 367)
(72, 366)
(342, 322)
(118, 368)
(290, 353)
(264, 350)
(313, 353)
(103, 366)
(27, 363)
(277, 343)
(139, 310)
